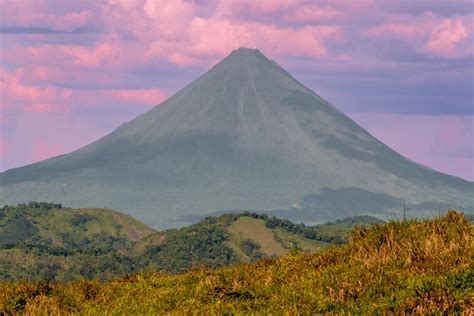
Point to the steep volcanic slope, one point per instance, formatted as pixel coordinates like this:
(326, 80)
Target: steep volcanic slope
(246, 135)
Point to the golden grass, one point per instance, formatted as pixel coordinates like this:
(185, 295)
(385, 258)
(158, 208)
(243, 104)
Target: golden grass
(256, 230)
(407, 267)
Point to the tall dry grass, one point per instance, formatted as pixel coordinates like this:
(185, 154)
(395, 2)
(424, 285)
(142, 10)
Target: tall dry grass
(402, 267)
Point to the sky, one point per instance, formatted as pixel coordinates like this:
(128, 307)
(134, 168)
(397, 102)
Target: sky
(73, 71)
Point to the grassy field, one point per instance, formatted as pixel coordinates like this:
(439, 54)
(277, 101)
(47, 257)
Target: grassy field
(399, 267)
(248, 228)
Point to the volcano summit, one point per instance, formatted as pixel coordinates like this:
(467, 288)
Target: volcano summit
(244, 136)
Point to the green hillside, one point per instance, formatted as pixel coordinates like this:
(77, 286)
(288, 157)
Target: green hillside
(420, 267)
(46, 241)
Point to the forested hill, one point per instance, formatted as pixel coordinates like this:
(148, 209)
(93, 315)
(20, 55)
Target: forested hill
(47, 241)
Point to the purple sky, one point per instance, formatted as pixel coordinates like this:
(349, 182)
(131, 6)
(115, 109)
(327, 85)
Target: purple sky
(72, 71)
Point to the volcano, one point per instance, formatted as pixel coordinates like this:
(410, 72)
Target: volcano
(244, 136)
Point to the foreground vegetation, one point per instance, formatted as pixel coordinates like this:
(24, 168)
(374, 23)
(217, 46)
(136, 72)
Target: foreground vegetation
(398, 267)
(44, 241)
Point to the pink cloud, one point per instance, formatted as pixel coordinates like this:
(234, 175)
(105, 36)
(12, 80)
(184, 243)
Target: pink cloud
(208, 38)
(169, 10)
(353, 5)
(430, 34)
(444, 38)
(106, 53)
(34, 75)
(45, 107)
(221, 36)
(132, 97)
(17, 96)
(39, 73)
(13, 91)
(299, 11)
(174, 31)
(103, 54)
(229, 8)
(314, 12)
(35, 14)
(182, 60)
(405, 31)
(167, 20)
(151, 96)
(344, 57)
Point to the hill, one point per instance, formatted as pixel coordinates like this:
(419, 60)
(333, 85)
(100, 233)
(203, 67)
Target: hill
(235, 238)
(400, 267)
(46, 241)
(246, 135)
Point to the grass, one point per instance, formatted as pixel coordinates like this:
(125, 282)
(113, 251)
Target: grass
(289, 241)
(255, 229)
(424, 267)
